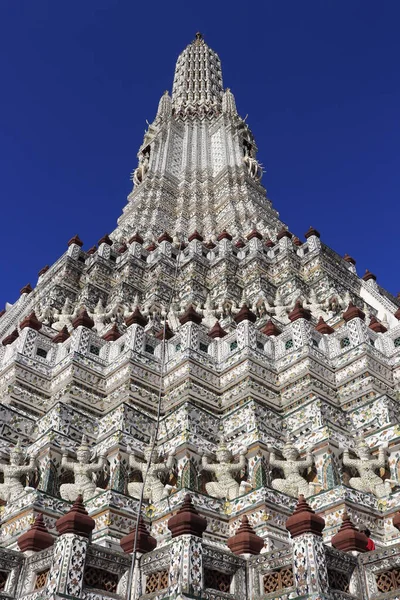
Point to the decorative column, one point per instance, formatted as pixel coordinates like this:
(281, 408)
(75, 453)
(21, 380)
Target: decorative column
(246, 543)
(144, 543)
(349, 539)
(246, 331)
(68, 565)
(37, 538)
(186, 566)
(309, 564)
(136, 323)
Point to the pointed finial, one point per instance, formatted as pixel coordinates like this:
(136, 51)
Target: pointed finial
(199, 36)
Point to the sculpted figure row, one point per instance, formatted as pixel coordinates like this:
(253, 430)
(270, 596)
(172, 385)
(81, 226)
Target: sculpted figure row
(226, 485)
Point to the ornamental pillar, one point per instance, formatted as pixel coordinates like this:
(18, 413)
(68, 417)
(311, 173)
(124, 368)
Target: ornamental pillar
(310, 571)
(66, 574)
(186, 565)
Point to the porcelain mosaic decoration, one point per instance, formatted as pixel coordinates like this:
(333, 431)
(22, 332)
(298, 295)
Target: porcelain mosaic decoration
(278, 368)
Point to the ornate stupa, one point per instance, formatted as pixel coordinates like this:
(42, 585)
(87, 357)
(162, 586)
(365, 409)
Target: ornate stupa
(192, 381)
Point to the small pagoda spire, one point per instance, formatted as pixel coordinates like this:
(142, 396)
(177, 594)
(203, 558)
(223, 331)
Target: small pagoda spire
(165, 237)
(10, 338)
(83, 319)
(136, 238)
(349, 259)
(310, 232)
(105, 240)
(43, 270)
(168, 333)
(228, 103)
(216, 331)
(187, 520)
(37, 537)
(164, 110)
(270, 329)
(323, 327)
(299, 312)
(224, 235)
(376, 326)
(245, 540)
(353, 312)
(348, 538)
(368, 275)
(245, 314)
(31, 321)
(284, 233)
(112, 334)
(254, 234)
(27, 289)
(145, 542)
(195, 236)
(304, 520)
(75, 240)
(190, 316)
(61, 336)
(137, 318)
(76, 520)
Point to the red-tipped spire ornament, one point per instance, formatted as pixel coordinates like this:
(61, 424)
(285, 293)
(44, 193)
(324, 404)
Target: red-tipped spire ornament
(245, 540)
(323, 327)
(304, 520)
(76, 520)
(348, 538)
(216, 331)
(299, 312)
(136, 318)
(112, 334)
(353, 312)
(270, 329)
(145, 542)
(187, 520)
(31, 321)
(190, 316)
(37, 538)
(75, 240)
(245, 314)
(83, 319)
(61, 336)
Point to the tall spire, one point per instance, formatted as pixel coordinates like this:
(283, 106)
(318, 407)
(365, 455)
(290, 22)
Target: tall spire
(198, 79)
(197, 166)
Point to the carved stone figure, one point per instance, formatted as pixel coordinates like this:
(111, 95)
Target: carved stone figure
(140, 172)
(83, 474)
(225, 486)
(154, 490)
(368, 481)
(294, 483)
(12, 486)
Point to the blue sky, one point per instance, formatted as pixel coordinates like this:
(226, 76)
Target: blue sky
(319, 81)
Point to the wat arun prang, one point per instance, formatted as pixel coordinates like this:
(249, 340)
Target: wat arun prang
(275, 366)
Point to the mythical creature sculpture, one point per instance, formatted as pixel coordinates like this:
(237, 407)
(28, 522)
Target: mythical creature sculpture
(154, 490)
(141, 170)
(83, 473)
(64, 316)
(368, 481)
(12, 486)
(294, 483)
(225, 486)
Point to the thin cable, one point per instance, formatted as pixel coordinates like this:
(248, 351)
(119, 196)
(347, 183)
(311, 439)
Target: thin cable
(160, 389)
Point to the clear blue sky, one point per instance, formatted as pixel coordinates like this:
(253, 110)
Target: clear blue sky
(318, 79)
